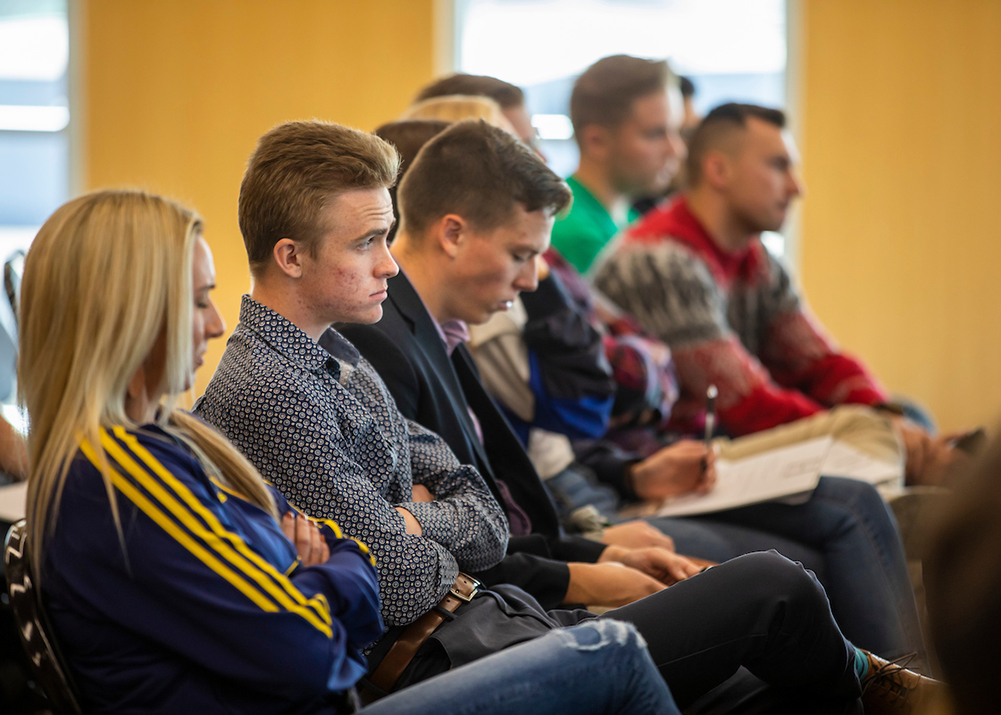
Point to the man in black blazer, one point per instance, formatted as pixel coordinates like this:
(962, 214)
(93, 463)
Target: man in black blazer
(434, 381)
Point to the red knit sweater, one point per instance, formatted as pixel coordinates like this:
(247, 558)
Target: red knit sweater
(733, 320)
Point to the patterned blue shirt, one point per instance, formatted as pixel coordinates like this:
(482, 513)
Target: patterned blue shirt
(323, 427)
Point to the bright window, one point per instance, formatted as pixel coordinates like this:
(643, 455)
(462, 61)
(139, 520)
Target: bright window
(34, 116)
(34, 147)
(732, 50)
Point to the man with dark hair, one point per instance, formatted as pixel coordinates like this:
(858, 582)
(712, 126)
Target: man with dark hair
(483, 214)
(626, 113)
(510, 98)
(696, 275)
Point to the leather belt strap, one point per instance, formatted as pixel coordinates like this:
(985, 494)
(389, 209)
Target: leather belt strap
(406, 646)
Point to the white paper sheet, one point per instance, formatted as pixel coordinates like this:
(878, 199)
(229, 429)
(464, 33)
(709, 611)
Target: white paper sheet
(775, 474)
(843, 460)
(12, 502)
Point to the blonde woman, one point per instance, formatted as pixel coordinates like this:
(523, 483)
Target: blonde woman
(175, 578)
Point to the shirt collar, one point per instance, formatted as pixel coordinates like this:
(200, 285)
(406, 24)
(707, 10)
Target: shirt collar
(453, 332)
(290, 341)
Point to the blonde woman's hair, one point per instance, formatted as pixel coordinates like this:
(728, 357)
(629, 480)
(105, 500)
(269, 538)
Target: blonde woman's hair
(457, 107)
(108, 275)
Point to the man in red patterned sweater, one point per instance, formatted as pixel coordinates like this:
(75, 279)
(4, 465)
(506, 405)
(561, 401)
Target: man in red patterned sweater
(695, 273)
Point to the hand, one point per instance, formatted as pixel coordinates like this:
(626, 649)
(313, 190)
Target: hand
(309, 543)
(941, 460)
(421, 493)
(636, 535)
(665, 566)
(608, 584)
(674, 471)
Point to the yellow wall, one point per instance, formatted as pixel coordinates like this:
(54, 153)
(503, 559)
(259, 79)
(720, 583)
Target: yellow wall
(176, 93)
(901, 243)
(901, 109)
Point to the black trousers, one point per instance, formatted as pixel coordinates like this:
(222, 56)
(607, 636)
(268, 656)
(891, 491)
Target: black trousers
(760, 614)
(760, 611)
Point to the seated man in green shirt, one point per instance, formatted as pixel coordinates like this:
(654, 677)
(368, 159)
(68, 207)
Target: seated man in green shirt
(626, 114)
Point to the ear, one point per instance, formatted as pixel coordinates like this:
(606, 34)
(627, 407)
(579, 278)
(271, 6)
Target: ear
(716, 169)
(595, 140)
(451, 231)
(287, 255)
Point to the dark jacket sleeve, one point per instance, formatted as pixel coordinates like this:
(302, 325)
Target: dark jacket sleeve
(539, 565)
(608, 462)
(545, 578)
(570, 378)
(570, 350)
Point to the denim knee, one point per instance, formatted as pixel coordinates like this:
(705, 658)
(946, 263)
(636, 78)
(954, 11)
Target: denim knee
(853, 491)
(598, 634)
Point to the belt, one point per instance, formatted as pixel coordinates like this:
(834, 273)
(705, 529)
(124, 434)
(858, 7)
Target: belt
(406, 646)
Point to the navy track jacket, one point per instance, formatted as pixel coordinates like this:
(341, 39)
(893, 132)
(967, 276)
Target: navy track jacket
(207, 609)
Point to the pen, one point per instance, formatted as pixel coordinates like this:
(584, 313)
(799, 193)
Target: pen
(711, 394)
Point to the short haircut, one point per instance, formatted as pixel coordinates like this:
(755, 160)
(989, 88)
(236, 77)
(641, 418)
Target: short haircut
(505, 94)
(605, 92)
(408, 136)
(294, 173)
(481, 173)
(719, 124)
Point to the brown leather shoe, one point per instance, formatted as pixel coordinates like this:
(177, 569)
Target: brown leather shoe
(889, 687)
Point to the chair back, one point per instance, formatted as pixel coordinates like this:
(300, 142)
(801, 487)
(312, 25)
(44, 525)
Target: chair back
(33, 625)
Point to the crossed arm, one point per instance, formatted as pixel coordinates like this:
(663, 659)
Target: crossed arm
(322, 472)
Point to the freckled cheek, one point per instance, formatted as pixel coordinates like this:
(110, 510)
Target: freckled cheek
(347, 284)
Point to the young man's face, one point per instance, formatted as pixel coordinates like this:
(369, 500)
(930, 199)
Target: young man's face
(646, 150)
(346, 280)
(762, 178)
(490, 268)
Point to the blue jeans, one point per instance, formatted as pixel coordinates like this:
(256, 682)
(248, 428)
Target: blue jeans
(598, 667)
